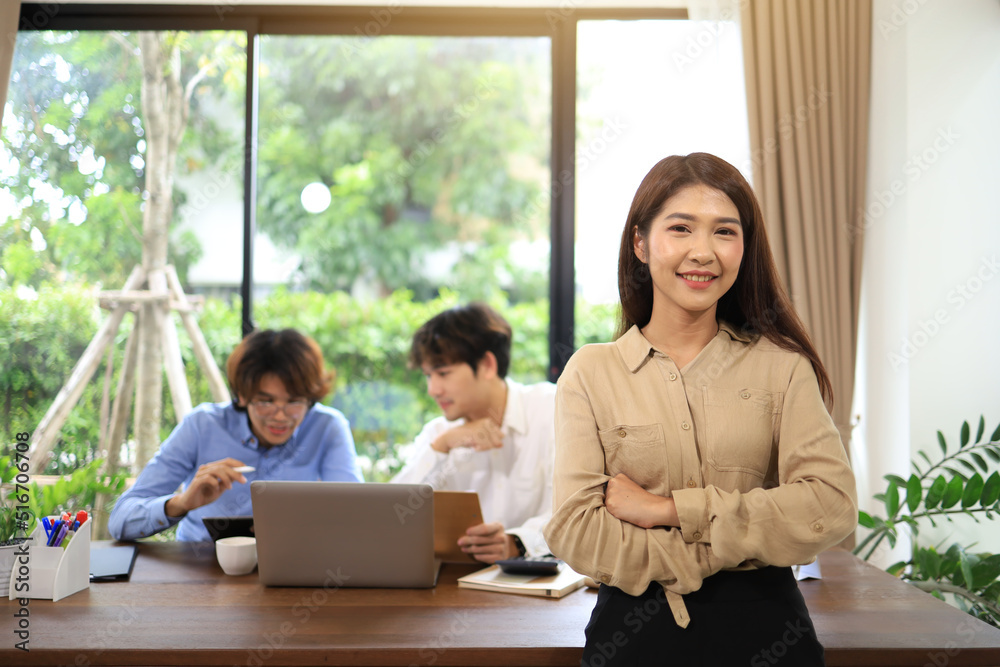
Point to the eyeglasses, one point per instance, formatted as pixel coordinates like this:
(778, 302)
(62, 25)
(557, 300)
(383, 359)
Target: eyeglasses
(293, 409)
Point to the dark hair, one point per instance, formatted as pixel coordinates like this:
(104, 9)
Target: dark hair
(293, 357)
(463, 334)
(757, 302)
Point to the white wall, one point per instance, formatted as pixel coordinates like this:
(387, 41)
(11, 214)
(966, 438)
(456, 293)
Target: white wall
(931, 283)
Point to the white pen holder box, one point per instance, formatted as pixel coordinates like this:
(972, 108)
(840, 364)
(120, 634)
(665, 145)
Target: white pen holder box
(52, 573)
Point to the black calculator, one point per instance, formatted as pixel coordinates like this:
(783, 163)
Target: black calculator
(538, 566)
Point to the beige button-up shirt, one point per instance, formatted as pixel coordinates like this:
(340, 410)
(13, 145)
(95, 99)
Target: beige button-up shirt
(740, 438)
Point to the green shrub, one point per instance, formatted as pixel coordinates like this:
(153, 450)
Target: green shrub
(366, 342)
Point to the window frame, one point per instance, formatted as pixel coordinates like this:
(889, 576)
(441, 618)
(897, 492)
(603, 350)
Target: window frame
(558, 22)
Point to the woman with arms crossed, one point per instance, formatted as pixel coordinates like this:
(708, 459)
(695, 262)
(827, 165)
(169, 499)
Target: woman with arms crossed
(695, 457)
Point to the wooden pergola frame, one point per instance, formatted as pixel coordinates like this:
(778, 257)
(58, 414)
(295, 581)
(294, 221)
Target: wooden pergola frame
(112, 426)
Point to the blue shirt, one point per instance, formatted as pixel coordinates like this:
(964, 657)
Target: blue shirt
(321, 448)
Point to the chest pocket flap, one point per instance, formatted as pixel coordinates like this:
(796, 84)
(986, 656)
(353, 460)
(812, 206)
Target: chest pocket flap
(637, 451)
(740, 428)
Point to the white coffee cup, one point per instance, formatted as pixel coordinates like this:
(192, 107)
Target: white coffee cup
(237, 555)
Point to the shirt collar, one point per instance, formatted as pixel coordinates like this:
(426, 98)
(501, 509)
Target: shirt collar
(238, 423)
(734, 333)
(635, 349)
(514, 417)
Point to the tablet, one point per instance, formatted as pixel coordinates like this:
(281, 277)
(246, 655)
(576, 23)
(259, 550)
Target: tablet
(454, 513)
(228, 526)
(112, 563)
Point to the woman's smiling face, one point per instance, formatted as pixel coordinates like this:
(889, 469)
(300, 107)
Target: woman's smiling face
(693, 249)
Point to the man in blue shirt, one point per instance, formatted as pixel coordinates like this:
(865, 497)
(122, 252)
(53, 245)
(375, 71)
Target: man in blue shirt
(274, 424)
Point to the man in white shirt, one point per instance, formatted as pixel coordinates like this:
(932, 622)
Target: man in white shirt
(496, 436)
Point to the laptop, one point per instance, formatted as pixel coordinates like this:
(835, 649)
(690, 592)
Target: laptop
(344, 534)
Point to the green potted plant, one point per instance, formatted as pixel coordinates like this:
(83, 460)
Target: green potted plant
(963, 481)
(16, 522)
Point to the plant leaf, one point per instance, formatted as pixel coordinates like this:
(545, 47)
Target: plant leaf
(865, 519)
(980, 461)
(896, 568)
(992, 453)
(952, 492)
(956, 473)
(996, 434)
(933, 563)
(992, 592)
(914, 493)
(892, 500)
(981, 429)
(965, 434)
(991, 490)
(926, 458)
(935, 493)
(968, 465)
(944, 445)
(973, 491)
(985, 571)
(966, 569)
(949, 563)
(895, 479)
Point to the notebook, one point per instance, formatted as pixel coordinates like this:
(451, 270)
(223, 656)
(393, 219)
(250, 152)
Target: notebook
(344, 534)
(552, 586)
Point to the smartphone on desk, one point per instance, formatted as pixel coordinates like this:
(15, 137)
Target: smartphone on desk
(539, 566)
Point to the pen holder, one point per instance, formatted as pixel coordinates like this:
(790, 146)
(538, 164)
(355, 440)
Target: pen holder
(52, 573)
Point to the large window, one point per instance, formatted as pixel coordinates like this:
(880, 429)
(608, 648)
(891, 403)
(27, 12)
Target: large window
(402, 175)
(647, 89)
(76, 169)
(387, 165)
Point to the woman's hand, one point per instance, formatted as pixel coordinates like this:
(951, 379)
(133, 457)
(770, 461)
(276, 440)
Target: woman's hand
(627, 501)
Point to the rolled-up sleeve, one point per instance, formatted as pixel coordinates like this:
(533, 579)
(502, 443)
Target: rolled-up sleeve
(141, 511)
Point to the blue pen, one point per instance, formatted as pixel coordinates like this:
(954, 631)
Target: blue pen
(47, 525)
(55, 531)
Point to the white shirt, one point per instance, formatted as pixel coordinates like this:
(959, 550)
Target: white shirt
(514, 482)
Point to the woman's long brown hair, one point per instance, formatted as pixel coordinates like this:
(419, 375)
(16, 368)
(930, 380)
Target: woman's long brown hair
(757, 303)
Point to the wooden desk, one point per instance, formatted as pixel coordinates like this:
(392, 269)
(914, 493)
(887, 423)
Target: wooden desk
(180, 609)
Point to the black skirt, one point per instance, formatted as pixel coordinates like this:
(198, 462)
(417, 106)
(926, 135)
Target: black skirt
(754, 618)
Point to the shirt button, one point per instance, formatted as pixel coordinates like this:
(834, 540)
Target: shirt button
(685, 426)
(697, 536)
(745, 394)
(818, 527)
(673, 376)
(691, 484)
(622, 433)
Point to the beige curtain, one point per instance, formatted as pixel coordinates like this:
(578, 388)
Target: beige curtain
(807, 73)
(10, 12)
